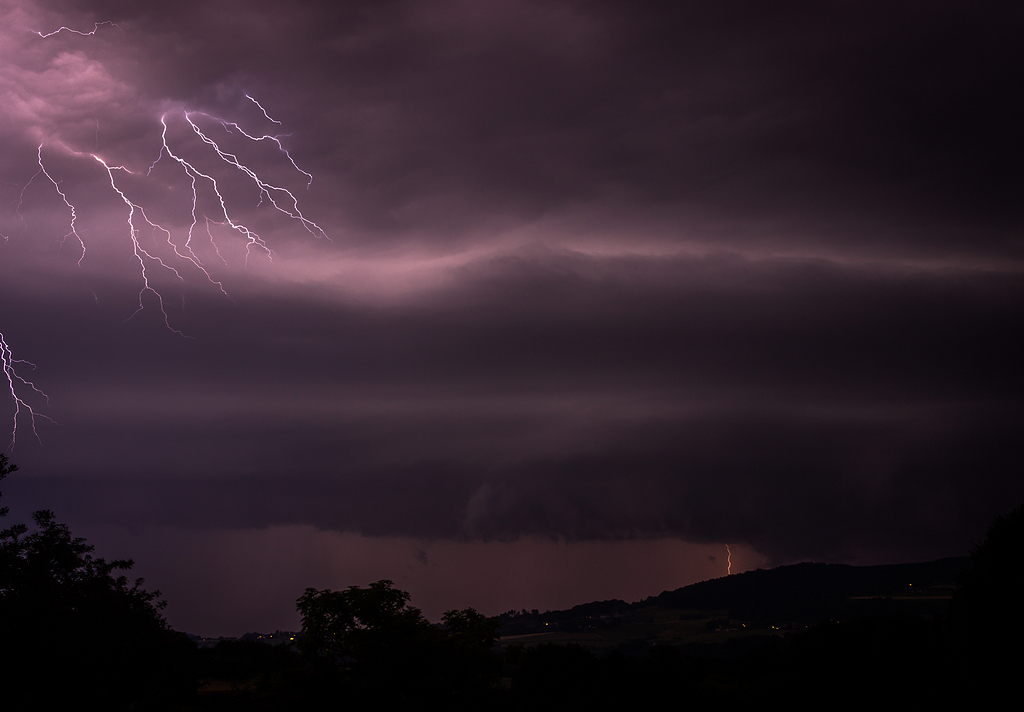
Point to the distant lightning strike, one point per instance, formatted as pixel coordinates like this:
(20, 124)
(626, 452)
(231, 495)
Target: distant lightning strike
(728, 571)
(279, 197)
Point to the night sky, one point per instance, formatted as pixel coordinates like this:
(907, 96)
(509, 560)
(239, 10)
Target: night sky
(601, 288)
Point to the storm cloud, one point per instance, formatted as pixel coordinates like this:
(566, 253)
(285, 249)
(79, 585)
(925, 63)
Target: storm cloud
(596, 272)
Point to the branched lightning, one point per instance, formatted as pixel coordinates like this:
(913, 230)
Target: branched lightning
(15, 382)
(138, 250)
(266, 189)
(192, 172)
(56, 186)
(265, 137)
(280, 198)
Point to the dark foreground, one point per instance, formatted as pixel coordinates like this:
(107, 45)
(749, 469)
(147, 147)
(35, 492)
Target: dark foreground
(75, 630)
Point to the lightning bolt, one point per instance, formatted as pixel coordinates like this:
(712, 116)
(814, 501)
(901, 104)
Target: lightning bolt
(137, 248)
(266, 189)
(193, 173)
(56, 186)
(265, 137)
(280, 198)
(16, 383)
(728, 571)
(95, 28)
(275, 121)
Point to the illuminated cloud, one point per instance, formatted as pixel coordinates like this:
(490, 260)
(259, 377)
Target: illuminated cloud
(737, 274)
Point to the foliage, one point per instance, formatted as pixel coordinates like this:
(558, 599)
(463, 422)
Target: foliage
(386, 649)
(471, 629)
(359, 624)
(984, 620)
(50, 570)
(992, 587)
(77, 628)
(5, 469)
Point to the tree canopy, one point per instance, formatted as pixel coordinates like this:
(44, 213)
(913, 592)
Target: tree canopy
(359, 624)
(384, 648)
(76, 628)
(5, 469)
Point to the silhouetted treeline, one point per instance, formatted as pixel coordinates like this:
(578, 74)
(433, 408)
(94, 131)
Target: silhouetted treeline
(77, 633)
(902, 660)
(985, 621)
(587, 616)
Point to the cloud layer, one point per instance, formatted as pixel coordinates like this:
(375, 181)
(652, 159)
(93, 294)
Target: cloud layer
(740, 274)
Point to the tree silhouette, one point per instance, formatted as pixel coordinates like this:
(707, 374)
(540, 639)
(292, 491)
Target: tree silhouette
(359, 624)
(386, 650)
(984, 618)
(990, 591)
(5, 469)
(76, 629)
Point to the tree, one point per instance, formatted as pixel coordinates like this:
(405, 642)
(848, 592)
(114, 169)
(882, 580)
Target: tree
(471, 629)
(361, 625)
(470, 652)
(75, 628)
(990, 591)
(386, 650)
(5, 469)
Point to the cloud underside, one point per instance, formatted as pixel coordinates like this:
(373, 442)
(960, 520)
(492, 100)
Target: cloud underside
(806, 409)
(738, 274)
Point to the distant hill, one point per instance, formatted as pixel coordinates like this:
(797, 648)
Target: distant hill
(801, 593)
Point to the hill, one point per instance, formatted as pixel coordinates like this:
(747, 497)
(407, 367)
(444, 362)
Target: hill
(751, 603)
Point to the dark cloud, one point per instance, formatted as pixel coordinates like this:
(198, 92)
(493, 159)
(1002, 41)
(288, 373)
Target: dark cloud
(805, 409)
(442, 115)
(727, 273)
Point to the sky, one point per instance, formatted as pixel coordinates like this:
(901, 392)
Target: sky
(517, 304)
